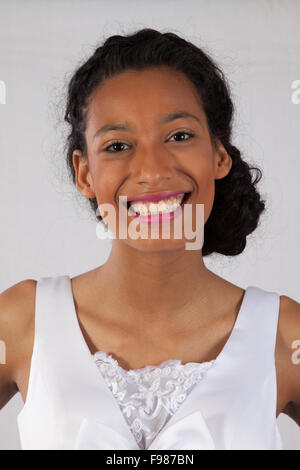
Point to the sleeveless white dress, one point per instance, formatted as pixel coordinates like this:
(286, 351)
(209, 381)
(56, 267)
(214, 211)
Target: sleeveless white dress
(77, 400)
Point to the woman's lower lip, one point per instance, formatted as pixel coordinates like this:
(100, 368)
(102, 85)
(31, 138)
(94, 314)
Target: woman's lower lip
(158, 218)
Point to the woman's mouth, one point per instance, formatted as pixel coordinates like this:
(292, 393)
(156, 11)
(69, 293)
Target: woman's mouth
(163, 209)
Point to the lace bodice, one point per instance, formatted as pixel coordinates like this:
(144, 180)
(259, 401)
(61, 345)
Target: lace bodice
(149, 396)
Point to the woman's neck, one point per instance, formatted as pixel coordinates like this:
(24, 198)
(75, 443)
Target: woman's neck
(168, 287)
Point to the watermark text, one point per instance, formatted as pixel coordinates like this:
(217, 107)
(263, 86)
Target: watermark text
(2, 92)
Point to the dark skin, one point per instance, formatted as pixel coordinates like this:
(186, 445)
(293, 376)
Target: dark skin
(152, 300)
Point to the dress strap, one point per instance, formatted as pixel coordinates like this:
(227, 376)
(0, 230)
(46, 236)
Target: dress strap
(259, 325)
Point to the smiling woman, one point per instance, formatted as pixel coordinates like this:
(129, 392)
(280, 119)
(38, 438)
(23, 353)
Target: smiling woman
(152, 349)
(140, 77)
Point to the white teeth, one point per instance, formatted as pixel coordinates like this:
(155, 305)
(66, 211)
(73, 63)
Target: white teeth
(164, 206)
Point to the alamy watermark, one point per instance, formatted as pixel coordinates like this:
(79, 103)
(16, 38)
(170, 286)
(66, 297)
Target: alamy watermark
(138, 226)
(295, 97)
(2, 92)
(2, 352)
(296, 354)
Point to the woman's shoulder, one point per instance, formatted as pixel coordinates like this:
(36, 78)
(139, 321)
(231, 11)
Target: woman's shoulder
(17, 309)
(17, 304)
(289, 330)
(288, 337)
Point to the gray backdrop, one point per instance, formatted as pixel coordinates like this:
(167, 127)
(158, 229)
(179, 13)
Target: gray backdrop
(44, 222)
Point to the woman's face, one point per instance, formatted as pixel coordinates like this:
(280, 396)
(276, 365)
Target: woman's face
(152, 154)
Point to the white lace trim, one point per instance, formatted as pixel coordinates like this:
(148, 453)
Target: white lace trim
(149, 396)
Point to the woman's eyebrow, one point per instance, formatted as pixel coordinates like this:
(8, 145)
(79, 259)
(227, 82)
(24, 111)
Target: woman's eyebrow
(164, 120)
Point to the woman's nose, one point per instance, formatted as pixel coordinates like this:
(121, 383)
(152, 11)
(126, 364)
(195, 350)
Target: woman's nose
(152, 163)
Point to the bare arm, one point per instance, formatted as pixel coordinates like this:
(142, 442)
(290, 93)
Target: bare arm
(291, 336)
(16, 315)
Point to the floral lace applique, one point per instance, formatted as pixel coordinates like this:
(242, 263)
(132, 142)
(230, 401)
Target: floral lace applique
(149, 396)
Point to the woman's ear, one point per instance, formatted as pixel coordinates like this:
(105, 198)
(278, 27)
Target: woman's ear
(222, 161)
(83, 178)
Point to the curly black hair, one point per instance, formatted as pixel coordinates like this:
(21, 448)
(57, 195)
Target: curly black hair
(237, 203)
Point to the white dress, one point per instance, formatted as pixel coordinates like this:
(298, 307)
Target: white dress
(149, 396)
(77, 400)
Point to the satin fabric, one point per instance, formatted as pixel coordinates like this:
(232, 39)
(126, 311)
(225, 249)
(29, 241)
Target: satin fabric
(189, 433)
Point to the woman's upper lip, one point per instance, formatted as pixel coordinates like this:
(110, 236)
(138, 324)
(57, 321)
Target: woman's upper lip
(155, 196)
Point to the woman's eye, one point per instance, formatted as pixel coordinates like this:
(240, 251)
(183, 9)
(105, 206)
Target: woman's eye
(114, 144)
(117, 143)
(183, 133)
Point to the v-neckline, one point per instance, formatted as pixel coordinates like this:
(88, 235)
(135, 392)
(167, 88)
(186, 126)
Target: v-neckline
(100, 378)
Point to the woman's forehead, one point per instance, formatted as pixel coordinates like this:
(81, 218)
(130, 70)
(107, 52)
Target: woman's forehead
(147, 94)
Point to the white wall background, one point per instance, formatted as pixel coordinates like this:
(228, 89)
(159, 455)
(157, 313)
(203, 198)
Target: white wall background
(257, 43)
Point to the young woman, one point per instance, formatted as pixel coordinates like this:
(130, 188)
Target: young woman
(152, 350)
